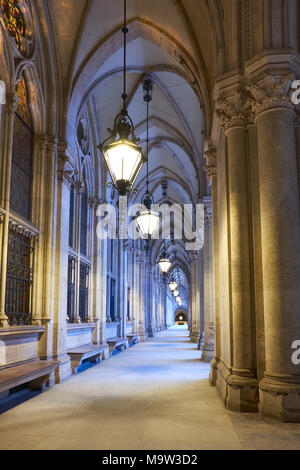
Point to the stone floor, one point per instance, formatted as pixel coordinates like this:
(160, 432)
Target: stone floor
(153, 396)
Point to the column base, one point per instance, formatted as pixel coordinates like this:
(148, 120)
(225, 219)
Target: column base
(280, 399)
(142, 332)
(3, 321)
(209, 345)
(238, 389)
(150, 332)
(207, 353)
(195, 335)
(213, 372)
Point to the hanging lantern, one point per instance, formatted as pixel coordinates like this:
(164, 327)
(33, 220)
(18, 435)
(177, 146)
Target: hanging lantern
(164, 265)
(173, 285)
(123, 157)
(147, 219)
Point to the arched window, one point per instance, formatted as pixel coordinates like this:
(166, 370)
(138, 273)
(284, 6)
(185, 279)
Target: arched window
(22, 151)
(84, 218)
(20, 254)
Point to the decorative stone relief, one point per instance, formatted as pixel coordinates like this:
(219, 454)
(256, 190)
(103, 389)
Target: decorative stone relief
(233, 107)
(210, 165)
(83, 136)
(65, 170)
(271, 89)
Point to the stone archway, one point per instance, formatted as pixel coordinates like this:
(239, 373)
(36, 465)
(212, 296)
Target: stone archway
(180, 317)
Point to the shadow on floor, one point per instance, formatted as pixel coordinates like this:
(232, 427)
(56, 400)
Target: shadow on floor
(16, 398)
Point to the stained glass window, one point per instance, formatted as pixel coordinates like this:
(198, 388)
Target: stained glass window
(14, 20)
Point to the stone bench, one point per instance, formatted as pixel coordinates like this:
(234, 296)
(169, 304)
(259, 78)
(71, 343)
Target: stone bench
(38, 374)
(93, 352)
(133, 339)
(118, 344)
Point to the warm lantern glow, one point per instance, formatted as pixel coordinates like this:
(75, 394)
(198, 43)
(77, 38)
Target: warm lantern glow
(124, 160)
(176, 293)
(147, 222)
(173, 285)
(164, 265)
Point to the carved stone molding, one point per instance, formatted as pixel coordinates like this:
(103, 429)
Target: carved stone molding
(210, 165)
(194, 256)
(233, 107)
(79, 187)
(65, 170)
(12, 101)
(52, 144)
(271, 89)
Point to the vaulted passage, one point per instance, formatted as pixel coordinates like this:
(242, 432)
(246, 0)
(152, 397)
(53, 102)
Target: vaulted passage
(154, 396)
(149, 223)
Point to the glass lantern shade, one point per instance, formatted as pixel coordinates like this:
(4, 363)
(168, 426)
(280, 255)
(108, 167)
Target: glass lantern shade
(164, 265)
(124, 160)
(173, 285)
(147, 222)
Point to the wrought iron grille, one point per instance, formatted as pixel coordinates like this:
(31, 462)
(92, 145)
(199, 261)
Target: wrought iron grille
(19, 279)
(84, 273)
(71, 289)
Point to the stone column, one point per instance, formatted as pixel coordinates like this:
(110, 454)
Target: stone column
(234, 109)
(164, 294)
(148, 297)
(141, 280)
(94, 298)
(208, 346)
(11, 107)
(39, 221)
(49, 248)
(136, 290)
(196, 305)
(211, 170)
(64, 173)
(280, 234)
(160, 303)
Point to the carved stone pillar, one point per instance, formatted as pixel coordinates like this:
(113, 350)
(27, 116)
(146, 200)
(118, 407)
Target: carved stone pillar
(95, 298)
(64, 173)
(142, 318)
(208, 345)
(48, 248)
(211, 171)
(234, 111)
(148, 297)
(6, 150)
(280, 237)
(39, 220)
(197, 297)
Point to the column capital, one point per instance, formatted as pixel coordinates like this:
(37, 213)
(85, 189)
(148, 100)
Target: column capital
(233, 107)
(270, 89)
(65, 169)
(194, 256)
